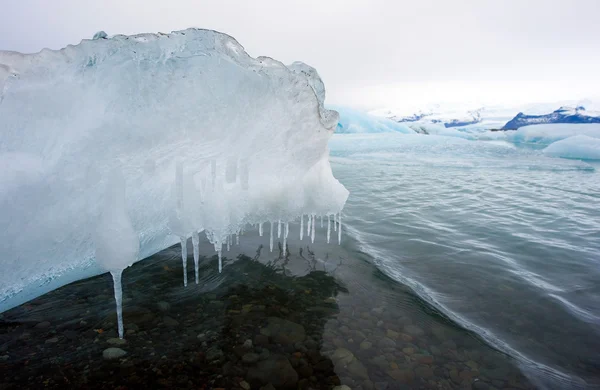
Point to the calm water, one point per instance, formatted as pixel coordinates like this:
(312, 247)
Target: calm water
(503, 240)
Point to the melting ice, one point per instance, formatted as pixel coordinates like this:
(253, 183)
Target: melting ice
(190, 135)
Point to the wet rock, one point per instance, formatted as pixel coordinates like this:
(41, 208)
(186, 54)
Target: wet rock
(408, 351)
(413, 330)
(342, 387)
(250, 358)
(401, 375)
(342, 356)
(392, 334)
(368, 385)
(202, 337)
(423, 359)
(381, 362)
(276, 370)
(435, 351)
(479, 385)
(116, 341)
(261, 340)
(53, 340)
(43, 325)
(163, 306)
(365, 345)
(113, 353)
(170, 322)
(424, 372)
(386, 343)
(284, 331)
(245, 385)
(268, 387)
(357, 370)
(213, 354)
(247, 344)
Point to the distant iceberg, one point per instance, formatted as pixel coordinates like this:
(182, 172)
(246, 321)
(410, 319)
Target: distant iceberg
(580, 147)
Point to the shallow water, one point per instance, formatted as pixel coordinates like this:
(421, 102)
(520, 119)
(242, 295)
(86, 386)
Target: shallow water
(503, 240)
(319, 317)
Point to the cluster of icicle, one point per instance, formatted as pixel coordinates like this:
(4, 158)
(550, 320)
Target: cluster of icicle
(117, 244)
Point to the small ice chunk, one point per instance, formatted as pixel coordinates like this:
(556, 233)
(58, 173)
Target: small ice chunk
(100, 35)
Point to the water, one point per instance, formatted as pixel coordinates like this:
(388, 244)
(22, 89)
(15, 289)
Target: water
(503, 240)
(462, 264)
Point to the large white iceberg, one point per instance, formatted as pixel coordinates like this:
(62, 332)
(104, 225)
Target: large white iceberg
(204, 136)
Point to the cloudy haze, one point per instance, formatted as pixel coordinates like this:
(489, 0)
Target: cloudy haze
(369, 53)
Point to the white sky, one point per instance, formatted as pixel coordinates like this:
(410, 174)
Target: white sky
(369, 53)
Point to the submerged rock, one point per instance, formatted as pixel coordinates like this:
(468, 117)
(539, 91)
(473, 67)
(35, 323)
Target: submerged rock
(113, 353)
(284, 331)
(276, 370)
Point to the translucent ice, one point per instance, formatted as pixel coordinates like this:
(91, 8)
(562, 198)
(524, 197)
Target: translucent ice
(140, 103)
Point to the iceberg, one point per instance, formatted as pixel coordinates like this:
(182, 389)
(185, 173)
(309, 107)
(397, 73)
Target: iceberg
(118, 147)
(577, 147)
(354, 121)
(548, 133)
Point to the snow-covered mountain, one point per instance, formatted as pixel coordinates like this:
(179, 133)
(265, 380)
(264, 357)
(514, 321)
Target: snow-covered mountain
(562, 115)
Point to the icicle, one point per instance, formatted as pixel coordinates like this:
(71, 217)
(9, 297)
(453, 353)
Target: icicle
(334, 223)
(184, 258)
(279, 229)
(287, 230)
(312, 233)
(309, 225)
(271, 240)
(237, 239)
(328, 227)
(116, 275)
(321, 221)
(196, 243)
(340, 228)
(228, 242)
(285, 243)
(301, 226)
(213, 172)
(260, 230)
(219, 252)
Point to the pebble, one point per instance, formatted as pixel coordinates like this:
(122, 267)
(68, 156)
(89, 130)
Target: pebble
(366, 345)
(342, 356)
(248, 344)
(386, 343)
(116, 341)
(52, 340)
(163, 306)
(250, 358)
(170, 322)
(43, 325)
(245, 385)
(113, 353)
(413, 330)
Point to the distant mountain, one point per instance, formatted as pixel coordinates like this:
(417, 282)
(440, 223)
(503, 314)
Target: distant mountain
(562, 115)
(468, 118)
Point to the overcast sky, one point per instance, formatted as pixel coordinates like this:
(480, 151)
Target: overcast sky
(370, 53)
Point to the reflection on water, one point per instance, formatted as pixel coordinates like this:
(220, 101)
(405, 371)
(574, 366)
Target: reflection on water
(319, 318)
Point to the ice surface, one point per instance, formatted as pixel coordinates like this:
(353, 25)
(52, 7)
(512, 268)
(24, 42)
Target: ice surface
(141, 103)
(578, 147)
